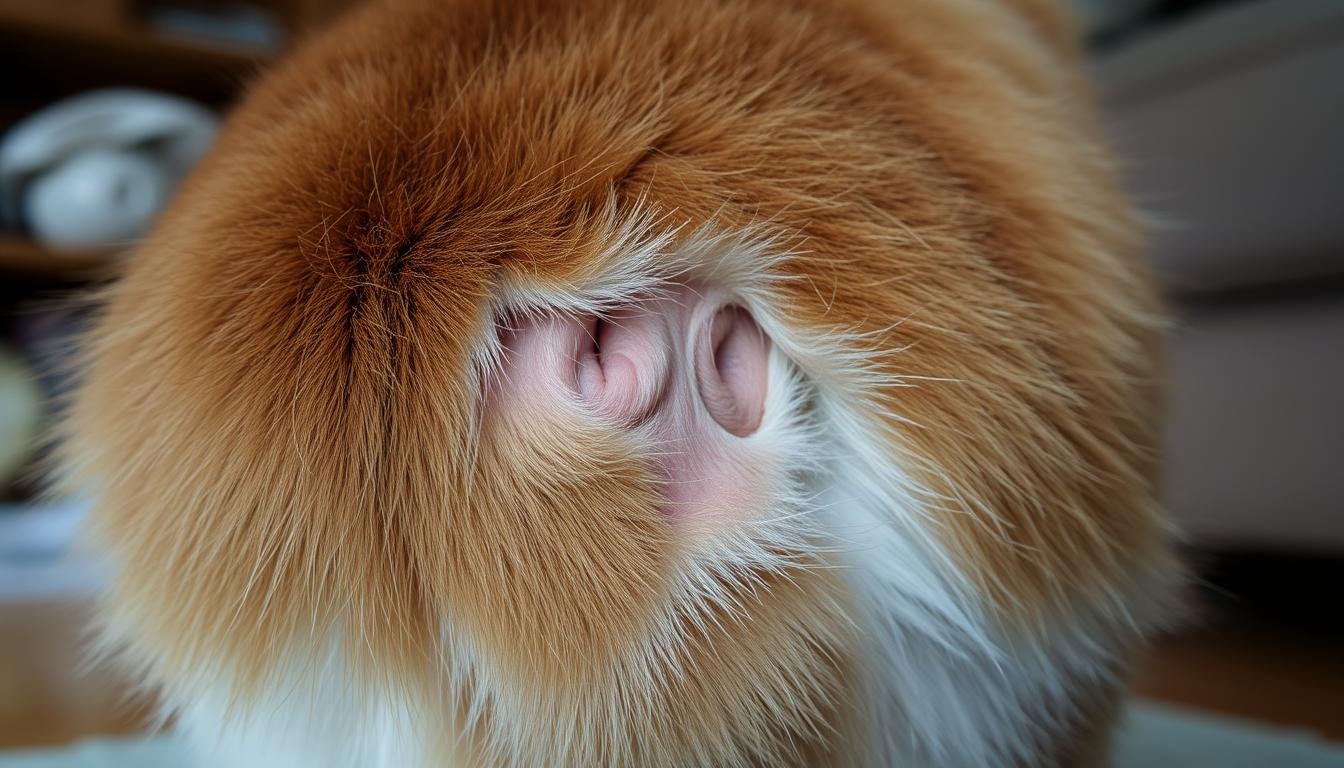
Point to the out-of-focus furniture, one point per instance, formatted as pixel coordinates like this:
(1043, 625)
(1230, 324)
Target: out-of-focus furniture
(48, 694)
(1232, 125)
(205, 50)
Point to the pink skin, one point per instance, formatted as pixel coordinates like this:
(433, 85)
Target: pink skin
(685, 375)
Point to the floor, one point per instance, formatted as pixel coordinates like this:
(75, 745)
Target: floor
(1264, 639)
(1242, 655)
(45, 696)
(1289, 681)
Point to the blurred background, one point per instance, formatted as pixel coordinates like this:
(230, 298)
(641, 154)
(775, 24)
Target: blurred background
(1229, 115)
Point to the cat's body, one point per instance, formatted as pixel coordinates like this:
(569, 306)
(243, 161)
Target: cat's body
(870, 481)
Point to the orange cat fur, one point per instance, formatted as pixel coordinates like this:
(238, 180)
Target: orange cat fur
(355, 520)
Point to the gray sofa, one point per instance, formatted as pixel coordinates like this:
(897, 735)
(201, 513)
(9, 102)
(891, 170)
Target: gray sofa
(1232, 125)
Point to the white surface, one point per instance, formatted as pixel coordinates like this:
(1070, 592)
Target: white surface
(1156, 737)
(1151, 737)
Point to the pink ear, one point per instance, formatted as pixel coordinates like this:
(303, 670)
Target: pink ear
(630, 370)
(730, 371)
(625, 376)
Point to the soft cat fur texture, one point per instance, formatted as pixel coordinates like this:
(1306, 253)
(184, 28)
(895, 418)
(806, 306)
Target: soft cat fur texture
(332, 549)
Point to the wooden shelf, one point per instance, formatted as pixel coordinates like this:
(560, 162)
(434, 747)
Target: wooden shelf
(23, 256)
(48, 57)
(144, 41)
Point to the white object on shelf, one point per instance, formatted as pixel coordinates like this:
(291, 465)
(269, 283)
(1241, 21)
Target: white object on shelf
(96, 198)
(57, 166)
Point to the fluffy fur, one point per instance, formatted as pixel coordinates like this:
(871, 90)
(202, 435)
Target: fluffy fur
(329, 552)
